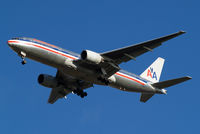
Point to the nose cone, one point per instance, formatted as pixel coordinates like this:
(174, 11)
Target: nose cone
(8, 42)
(11, 43)
(164, 91)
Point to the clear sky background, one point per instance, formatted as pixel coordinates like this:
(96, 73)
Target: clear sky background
(100, 26)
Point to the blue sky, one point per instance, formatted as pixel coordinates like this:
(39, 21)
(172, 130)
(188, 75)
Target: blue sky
(100, 26)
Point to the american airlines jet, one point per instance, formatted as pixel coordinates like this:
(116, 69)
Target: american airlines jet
(78, 72)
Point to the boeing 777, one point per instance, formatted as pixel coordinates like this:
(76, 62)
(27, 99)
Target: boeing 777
(78, 72)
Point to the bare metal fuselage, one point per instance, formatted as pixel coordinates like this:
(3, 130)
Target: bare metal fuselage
(121, 80)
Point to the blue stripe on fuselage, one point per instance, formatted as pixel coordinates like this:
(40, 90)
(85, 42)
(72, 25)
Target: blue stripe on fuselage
(133, 75)
(78, 56)
(54, 48)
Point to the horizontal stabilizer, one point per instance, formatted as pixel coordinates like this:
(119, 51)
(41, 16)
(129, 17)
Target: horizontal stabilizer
(145, 97)
(169, 83)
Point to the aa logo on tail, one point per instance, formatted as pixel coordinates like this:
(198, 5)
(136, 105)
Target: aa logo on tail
(151, 73)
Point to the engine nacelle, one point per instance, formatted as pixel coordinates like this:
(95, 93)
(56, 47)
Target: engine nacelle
(91, 56)
(47, 81)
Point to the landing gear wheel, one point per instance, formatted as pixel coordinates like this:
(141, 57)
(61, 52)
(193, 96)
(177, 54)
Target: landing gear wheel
(82, 96)
(22, 55)
(84, 93)
(80, 93)
(23, 62)
(75, 91)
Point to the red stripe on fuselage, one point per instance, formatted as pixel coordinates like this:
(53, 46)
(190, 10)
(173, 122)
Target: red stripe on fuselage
(119, 74)
(12, 41)
(130, 78)
(51, 50)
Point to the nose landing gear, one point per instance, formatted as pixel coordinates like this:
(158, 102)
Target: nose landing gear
(23, 55)
(23, 62)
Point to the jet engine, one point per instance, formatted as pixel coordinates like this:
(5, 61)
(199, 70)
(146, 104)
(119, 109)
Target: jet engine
(91, 56)
(47, 81)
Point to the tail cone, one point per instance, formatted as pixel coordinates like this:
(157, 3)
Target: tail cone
(163, 91)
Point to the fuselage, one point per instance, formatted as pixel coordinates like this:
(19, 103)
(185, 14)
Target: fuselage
(63, 60)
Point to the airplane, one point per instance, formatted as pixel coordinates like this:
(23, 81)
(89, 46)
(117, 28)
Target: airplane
(77, 72)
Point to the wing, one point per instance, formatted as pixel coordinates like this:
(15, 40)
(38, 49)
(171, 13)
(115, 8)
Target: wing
(131, 52)
(66, 86)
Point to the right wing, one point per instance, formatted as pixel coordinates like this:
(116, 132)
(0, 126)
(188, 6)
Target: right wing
(65, 87)
(131, 52)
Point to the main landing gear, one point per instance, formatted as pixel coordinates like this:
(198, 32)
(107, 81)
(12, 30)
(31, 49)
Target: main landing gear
(80, 93)
(103, 77)
(104, 80)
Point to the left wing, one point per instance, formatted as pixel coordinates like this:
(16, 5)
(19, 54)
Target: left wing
(113, 58)
(131, 52)
(66, 86)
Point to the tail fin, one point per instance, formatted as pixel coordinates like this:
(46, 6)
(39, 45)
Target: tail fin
(153, 72)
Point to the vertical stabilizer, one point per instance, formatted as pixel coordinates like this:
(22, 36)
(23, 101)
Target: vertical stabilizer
(153, 72)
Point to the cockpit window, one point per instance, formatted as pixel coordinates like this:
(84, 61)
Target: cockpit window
(15, 38)
(22, 38)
